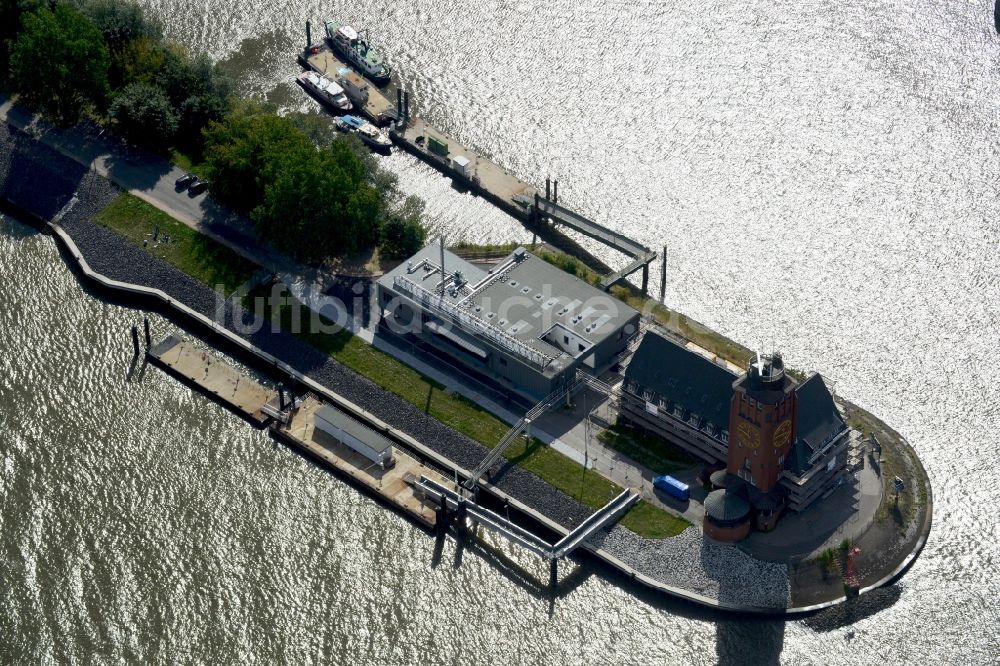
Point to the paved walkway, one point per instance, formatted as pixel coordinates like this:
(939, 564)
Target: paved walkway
(151, 178)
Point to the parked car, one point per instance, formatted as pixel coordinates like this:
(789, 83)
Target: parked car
(197, 187)
(185, 181)
(671, 486)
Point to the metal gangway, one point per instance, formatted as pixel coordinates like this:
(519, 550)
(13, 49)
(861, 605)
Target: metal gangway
(640, 254)
(597, 520)
(524, 423)
(600, 519)
(562, 215)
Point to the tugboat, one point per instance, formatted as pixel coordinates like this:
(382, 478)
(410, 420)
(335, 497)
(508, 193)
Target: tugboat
(372, 136)
(325, 90)
(355, 48)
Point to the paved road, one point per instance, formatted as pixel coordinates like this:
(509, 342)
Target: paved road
(151, 178)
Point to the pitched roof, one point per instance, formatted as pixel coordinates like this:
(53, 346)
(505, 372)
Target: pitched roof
(683, 377)
(816, 420)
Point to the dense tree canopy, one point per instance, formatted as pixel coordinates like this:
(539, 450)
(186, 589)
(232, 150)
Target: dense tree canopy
(59, 62)
(311, 201)
(403, 232)
(144, 115)
(132, 39)
(199, 92)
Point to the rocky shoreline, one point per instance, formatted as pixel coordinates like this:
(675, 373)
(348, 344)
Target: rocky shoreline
(42, 184)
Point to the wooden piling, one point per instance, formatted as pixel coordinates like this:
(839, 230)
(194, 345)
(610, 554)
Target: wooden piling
(555, 192)
(135, 339)
(663, 275)
(548, 188)
(145, 324)
(645, 279)
(309, 35)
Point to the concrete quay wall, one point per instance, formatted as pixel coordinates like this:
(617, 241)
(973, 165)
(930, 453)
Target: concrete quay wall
(125, 271)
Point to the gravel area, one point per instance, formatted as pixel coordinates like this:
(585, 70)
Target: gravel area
(119, 259)
(689, 561)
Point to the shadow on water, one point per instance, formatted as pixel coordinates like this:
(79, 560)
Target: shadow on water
(854, 610)
(996, 16)
(749, 641)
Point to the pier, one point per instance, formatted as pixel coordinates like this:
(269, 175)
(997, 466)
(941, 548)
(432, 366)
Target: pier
(474, 171)
(322, 60)
(214, 377)
(394, 485)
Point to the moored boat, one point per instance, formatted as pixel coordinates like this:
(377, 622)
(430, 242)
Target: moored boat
(368, 133)
(354, 47)
(326, 91)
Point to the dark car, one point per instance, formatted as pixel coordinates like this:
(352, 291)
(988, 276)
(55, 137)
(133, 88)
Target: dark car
(197, 187)
(185, 181)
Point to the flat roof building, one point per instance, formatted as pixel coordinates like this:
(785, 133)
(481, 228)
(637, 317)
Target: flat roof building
(524, 324)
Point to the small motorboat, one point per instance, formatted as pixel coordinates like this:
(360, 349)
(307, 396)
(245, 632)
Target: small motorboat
(368, 133)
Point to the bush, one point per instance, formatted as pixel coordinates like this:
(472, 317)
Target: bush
(144, 114)
(402, 234)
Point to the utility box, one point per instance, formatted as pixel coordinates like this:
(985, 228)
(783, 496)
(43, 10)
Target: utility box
(461, 164)
(437, 146)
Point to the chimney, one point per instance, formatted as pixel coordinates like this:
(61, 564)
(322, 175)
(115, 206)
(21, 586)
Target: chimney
(442, 264)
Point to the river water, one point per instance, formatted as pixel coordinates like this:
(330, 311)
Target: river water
(825, 177)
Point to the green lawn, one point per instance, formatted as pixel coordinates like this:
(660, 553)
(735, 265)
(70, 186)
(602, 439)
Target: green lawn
(470, 419)
(646, 449)
(213, 264)
(177, 244)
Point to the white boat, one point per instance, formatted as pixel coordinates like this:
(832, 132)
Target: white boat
(326, 91)
(368, 133)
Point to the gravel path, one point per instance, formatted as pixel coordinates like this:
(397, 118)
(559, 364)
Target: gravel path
(37, 180)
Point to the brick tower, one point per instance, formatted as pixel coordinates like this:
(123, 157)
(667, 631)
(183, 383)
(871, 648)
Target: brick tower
(761, 432)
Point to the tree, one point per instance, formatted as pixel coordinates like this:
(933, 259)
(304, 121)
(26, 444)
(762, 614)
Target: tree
(133, 40)
(308, 201)
(402, 232)
(144, 114)
(121, 22)
(199, 92)
(74, 46)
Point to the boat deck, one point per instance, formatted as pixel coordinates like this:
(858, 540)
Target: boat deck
(213, 376)
(394, 485)
(325, 61)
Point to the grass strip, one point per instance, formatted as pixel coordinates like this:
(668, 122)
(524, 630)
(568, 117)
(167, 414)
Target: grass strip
(176, 243)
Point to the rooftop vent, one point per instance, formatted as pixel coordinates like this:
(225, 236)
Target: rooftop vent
(525, 290)
(520, 254)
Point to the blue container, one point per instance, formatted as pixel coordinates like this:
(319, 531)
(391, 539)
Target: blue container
(672, 487)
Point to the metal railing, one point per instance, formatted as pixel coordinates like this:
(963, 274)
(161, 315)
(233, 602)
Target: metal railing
(469, 322)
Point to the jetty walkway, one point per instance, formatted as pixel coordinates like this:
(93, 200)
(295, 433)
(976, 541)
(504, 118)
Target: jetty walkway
(476, 172)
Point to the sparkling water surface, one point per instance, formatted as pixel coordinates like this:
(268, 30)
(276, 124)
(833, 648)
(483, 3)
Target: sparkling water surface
(825, 178)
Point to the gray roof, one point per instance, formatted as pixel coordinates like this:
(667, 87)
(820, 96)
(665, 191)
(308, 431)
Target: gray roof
(724, 505)
(816, 420)
(525, 297)
(356, 429)
(683, 377)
